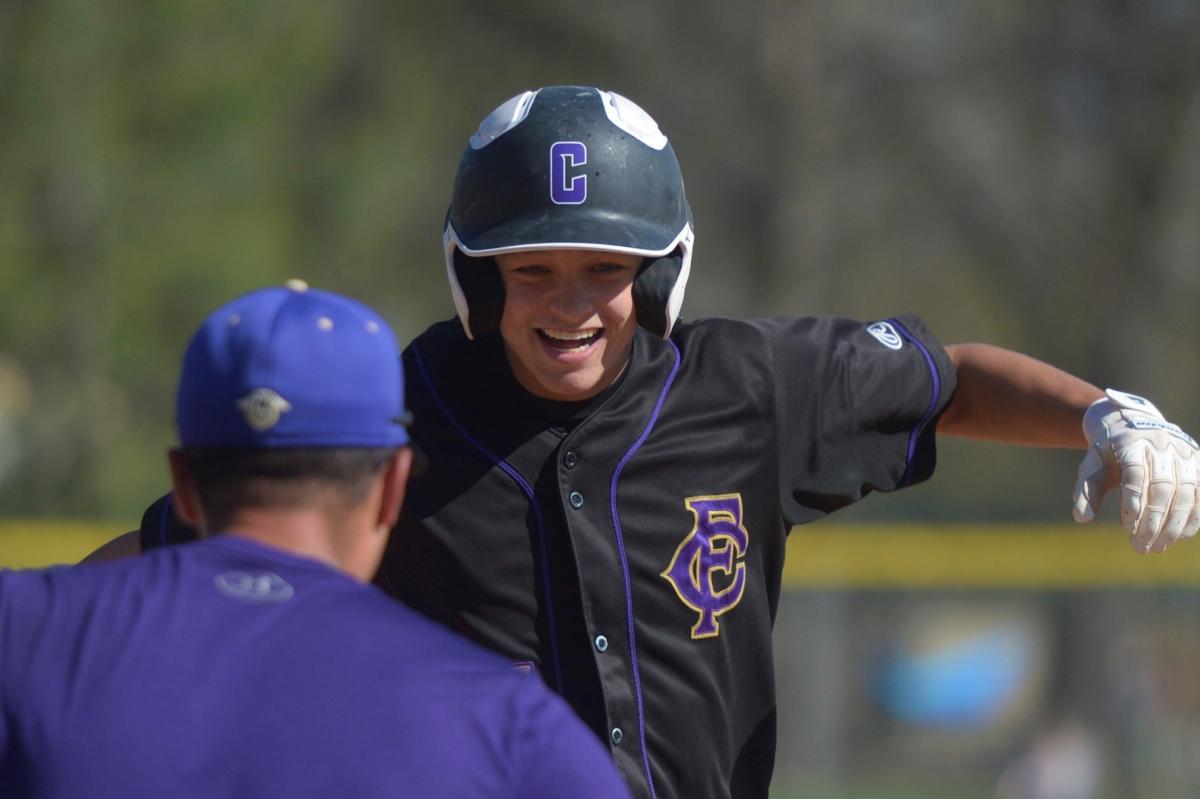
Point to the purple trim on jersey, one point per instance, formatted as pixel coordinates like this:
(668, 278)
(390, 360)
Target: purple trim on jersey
(508, 469)
(933, 403)
(163, 517)
(637, 677)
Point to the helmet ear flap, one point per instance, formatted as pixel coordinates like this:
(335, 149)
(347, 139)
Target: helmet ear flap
(479, 281)
(653, 289)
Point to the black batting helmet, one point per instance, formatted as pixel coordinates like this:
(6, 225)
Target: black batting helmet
(568, 167)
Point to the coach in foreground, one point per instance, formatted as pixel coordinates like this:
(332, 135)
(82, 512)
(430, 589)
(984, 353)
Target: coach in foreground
(258, 662)
(611, 488)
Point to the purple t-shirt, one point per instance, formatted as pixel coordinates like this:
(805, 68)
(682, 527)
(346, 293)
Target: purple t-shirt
(226, 668)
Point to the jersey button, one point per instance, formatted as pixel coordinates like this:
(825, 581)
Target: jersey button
(617, 736)
(601, 643)
(576, 500)
(570, 459)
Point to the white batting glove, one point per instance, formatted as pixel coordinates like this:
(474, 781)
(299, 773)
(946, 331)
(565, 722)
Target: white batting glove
(1156, 464)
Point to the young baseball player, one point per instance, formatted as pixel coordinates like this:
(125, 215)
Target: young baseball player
(611, 488)
(259, 662)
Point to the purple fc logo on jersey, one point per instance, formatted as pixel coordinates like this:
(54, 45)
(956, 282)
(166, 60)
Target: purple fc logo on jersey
(567, 189)
(716, 546)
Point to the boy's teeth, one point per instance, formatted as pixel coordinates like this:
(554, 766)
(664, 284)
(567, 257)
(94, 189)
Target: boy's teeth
(567, 335)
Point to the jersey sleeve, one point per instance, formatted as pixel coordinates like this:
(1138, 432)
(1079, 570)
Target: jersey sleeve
(25, 613)
(559, 756)
(857, 407)
(161, 527)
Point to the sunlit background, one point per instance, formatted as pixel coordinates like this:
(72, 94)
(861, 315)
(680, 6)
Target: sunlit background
(1023, 173)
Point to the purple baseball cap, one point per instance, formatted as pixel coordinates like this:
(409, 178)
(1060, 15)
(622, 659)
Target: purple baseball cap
(292, 367)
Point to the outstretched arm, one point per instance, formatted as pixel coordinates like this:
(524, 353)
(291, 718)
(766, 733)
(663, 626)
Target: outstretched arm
(1009, 397)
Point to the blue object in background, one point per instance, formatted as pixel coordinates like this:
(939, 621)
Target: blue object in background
(962, 682)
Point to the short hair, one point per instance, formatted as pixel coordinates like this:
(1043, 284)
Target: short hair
(229, 479)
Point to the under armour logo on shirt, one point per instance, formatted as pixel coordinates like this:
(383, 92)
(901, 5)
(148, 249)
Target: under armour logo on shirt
(254, 586)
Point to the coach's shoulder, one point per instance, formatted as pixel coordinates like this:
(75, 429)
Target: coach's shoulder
(31, 599)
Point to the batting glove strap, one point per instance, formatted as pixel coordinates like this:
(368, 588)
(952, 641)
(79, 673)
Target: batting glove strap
(1155, 463)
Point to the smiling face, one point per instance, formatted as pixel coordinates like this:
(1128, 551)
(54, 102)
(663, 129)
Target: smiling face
(568, 320)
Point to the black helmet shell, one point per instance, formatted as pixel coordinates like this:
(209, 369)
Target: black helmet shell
(568, 167)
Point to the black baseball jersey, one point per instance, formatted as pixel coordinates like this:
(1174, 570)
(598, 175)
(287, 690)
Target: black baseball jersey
(630, 547)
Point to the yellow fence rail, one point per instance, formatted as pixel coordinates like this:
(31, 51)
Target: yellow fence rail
(918, 557)
(43, 542)
(833, 556)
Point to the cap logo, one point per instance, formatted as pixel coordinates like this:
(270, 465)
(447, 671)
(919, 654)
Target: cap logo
(262, 408)
(566, 189)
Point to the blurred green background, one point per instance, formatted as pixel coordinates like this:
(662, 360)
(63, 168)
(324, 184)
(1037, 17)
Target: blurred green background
(1022, 173)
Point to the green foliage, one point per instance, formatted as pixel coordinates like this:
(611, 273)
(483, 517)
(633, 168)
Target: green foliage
(156, 159)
